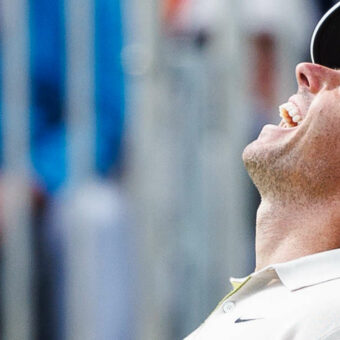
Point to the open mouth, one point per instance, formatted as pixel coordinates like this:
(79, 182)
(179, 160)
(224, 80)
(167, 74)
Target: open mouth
(291, 117)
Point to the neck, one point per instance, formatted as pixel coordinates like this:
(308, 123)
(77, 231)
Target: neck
(285, 232)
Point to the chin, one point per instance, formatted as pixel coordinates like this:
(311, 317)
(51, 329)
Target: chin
(250, 157)
(262, 162)
(251, 152)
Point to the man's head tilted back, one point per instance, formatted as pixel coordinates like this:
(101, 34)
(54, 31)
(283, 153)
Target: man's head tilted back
(299, 160)
(293, 292)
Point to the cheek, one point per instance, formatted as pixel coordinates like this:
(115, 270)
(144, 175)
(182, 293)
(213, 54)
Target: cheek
(325, 112)
(322, 140)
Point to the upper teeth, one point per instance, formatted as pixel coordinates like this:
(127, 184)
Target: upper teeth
(297, 118)
(290, 114)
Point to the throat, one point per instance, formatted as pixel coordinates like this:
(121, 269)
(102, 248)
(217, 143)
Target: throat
(284, 233)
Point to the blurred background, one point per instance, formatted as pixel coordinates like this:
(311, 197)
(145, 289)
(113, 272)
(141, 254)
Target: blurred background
(124, 205)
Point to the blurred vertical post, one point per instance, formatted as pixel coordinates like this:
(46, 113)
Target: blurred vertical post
(18, 267)
(238, 231)
(186, 168)
(140, 58)
(80, 111)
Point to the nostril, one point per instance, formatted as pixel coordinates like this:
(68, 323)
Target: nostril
(304, 80)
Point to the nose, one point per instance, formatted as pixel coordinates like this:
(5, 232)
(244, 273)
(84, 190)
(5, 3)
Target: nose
(308, 76)
(313, 77)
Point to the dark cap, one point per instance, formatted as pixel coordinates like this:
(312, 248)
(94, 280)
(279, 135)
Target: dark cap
(325, 44)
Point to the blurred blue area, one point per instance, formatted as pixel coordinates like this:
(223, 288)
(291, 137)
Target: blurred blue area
(48, 133)
(109, 84)
(47, 86)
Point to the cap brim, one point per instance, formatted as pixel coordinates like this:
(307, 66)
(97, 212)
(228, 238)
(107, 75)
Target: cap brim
(325, 44)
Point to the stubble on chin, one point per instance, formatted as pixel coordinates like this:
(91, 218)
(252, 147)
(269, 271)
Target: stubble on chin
(274, 172)
(287, 178)
(258, 167)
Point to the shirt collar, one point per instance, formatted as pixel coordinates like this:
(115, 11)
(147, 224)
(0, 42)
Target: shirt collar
(309, 270)
(305, 271)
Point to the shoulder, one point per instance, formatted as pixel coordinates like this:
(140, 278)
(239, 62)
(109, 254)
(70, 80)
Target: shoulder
(318, 311)
(333, 334)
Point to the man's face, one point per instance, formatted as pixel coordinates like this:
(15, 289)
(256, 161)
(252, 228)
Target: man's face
(304, 160)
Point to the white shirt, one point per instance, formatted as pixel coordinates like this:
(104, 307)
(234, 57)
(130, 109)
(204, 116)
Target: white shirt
(296, 300)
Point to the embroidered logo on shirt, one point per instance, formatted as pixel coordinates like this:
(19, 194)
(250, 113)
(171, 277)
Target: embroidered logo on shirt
(246, 320)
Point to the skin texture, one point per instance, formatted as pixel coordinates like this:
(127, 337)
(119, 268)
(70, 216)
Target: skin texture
(297, 172)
